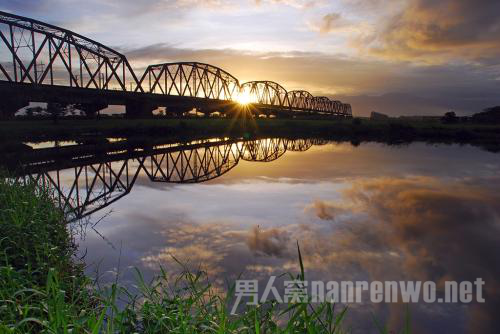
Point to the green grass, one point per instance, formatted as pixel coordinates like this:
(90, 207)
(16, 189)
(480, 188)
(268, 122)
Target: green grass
(43, 288)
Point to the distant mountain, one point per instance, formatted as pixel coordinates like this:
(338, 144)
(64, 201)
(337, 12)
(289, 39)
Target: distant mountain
(394, 104)
(400, 104)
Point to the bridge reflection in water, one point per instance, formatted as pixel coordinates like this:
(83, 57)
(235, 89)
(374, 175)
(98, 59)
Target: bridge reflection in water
(84, 180)
(194, 164)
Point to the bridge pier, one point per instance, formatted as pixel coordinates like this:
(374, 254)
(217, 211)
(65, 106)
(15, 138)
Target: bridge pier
(178, 111)
(91, 109)
(8, 107)
(139, 109)
(206, 111)
(227, 110)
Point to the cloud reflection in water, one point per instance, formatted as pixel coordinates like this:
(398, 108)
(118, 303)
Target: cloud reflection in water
(402, 218)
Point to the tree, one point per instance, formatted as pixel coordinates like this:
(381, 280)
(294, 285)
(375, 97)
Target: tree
(56, 110)
(489, 115)
(492, 110)
(449, 117)
(32, 111)
(378, 116)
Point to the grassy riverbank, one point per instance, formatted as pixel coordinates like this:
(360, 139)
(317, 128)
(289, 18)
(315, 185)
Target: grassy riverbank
(355, 130)
(43, 288)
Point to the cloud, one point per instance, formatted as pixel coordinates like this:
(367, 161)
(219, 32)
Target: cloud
(443, 232)
(18, 6)
(325, 210)
(437, 31)
(416, 228)
(211, 247)
(272, 242)
(432, 221)
(330, 22)
(300, 4)
(194, 256)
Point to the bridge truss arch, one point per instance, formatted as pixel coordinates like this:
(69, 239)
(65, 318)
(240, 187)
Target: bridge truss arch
(82, 190)
(300, 99)
(190, 79)
(337, 107)
(195, 164)
(299, 145)
(347, 110)
(266, 93)
(35, 52)
(263, 150)
(322, 104)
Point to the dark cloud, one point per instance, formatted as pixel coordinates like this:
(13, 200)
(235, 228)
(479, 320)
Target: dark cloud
(20, 6)
(443, 232)
(425, 214)
(418, 228)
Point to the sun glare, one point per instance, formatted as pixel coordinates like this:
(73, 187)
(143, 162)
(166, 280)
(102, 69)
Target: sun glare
(243, 98)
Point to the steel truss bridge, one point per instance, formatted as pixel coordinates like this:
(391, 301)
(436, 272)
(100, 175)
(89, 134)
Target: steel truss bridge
(40, 62)
(85, 180)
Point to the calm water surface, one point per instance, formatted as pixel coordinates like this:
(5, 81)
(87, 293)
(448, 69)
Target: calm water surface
(365, 213)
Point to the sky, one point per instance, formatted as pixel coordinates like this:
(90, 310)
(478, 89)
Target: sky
(401, 57)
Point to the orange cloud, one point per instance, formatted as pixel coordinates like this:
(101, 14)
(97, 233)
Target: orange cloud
(437, 31)
(271, 242)
(326, 210)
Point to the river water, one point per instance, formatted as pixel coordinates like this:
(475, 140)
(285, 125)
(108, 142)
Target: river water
(359, 213)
